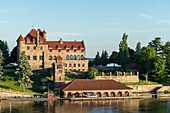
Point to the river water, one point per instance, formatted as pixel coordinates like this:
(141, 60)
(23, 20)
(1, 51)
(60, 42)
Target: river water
(110, 106)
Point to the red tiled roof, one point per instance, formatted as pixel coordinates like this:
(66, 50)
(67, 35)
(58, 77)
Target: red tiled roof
(20, 38)
(66, 44)
(52, 44)
(89, 84)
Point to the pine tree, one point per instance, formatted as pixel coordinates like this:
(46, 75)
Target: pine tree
(1, 61)
(97, 59)
(23, 72)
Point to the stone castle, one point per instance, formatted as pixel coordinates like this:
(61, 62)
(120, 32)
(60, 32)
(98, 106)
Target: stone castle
(43, 54)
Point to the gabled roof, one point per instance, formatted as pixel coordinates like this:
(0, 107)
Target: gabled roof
(89, 84)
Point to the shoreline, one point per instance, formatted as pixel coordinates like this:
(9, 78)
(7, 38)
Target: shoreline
(87, 99)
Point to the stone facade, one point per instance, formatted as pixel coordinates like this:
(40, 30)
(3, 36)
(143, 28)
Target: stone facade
(42, 53)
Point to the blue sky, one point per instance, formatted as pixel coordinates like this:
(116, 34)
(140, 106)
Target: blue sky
(100, 23)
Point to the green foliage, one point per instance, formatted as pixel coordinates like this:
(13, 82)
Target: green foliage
(13, 55)
(92, 73)
(156, 44)
(23, 72)
(104, 58)
(167, 92)
(166, 54)
(159, 66)
(113, 57)
(148, 55)
(123, 51)
(97, 59)
(141, 82)
(5, 50)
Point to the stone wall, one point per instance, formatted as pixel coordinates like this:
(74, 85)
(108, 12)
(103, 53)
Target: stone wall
(145, 88)
(10, 94)
(133, 78)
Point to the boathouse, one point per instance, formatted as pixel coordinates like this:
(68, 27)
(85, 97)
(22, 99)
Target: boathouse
(98, 88)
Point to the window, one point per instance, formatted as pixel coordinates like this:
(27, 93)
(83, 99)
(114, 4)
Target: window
(82, 65)
(28, 40)
(34, 47)
(74, 65)
(67, 57)
(41, 48)
(67, 50)
(65, 65)
(28, 47)
(40, 66)
(74, 50)
(34, 57)
(34, 41)
(50, 58)
(69, 65)
(59, 71)
(82, 50)
(41, 57)
(78, 57)
(55, 57)
(75, 57)
(59, 50)
(82, 57)
(50, 50)
(28, 57)
(71, 57)
(78, 65)
(41, 41)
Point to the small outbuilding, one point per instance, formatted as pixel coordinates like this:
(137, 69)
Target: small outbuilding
(94, 88)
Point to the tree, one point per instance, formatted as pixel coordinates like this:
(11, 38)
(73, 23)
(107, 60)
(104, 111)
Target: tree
(113, 57)
(156, 44)
(159, 67)
(131, 55)
(148, 55)
(13, 55)
(23, 72)
(166, 54)
(123, 51)
(97, 59)
(1, 61)
(104, 58)
(92, 73)
(137, 56)
(5, 50)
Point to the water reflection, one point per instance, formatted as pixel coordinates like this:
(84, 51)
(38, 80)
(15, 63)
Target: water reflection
(110, 106)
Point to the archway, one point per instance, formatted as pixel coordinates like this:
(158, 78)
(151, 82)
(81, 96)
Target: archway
(119, 94)
(77, 94)
(99, 94)
(105, 94)
(112, 94)
(126, 93)
(69, 94)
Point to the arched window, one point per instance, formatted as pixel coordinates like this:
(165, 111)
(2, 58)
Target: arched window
(82, 65)
(71, 57)
(78, 65)
(74, 65)
(82, 57)
(67, 57)
(75, 57)
(69, 65)
(78, 57)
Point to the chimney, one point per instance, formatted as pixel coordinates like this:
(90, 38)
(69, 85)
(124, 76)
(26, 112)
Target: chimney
(38, 36)
(61, 41)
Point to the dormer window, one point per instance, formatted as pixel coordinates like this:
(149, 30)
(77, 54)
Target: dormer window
(28, 40)
(41, 41)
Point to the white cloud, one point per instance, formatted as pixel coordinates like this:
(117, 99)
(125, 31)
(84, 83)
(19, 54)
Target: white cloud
(164, 21)
(145, 16)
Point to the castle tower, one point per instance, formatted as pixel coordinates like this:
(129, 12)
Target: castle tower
(59, 71)
(20, 46)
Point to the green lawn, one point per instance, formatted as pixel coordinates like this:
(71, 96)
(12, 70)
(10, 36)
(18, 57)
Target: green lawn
(141, 82)
(9, 85)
